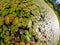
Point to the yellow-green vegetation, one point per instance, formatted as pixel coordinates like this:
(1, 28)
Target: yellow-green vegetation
(1, 20)
(14, 20)
(21, 20)
(22, 43)
(58, 42)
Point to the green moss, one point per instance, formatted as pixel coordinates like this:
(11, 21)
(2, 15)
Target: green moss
(16, 14)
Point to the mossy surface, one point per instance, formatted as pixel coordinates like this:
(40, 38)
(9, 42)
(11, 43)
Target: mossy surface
(31, 15)
(15, 15)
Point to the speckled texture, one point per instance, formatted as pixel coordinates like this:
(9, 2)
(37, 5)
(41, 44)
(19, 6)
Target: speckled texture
(43, 21)
(48, 24)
